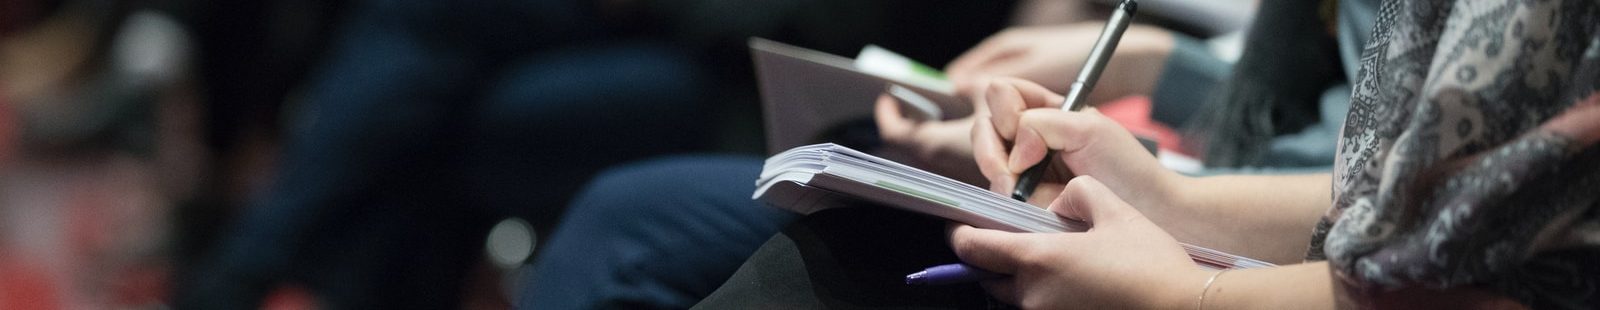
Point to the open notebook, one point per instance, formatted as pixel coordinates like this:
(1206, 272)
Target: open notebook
(810, 178)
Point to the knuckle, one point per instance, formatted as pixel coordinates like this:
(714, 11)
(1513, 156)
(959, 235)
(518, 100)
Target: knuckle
(994, 87)
(1101, 121)
(1032, 258)
(1008, 34)
(963, 245)
(1080, 184)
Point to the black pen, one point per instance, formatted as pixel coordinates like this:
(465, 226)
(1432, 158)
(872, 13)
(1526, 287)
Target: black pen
(1078, 94)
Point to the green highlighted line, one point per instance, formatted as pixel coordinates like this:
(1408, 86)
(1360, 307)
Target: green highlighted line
(919, 194)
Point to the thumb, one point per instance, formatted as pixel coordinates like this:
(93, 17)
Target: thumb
(992, 250)
(1086, 199)
(1041, 130)
(891, 124)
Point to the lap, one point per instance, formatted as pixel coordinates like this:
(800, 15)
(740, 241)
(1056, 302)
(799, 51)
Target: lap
(853, 258)
(658, 234)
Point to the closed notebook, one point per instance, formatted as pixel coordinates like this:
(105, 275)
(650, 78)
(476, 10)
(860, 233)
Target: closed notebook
(814, 177)
(807, 94)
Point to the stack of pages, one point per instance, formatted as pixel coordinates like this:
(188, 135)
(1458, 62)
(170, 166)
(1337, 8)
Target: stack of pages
(810, 178)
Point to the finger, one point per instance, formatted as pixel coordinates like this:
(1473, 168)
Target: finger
(1004, 290)
(892, 126)
(1028, 150)
(1008, 97)
(1005, 106)
(1014, 66)
(983, 52)
(1086, 199)
(1037, 96)
(1048, 129)
(1580, 122)
(980, 102)
(1008, 63)
(992, 250)
(986, 63)
(990, 155)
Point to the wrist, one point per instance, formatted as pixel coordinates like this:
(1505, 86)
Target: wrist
(1186, 290)
(1174, 190)
(1150, 43)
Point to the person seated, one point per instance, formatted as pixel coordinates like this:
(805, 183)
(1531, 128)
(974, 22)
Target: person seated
(623, 241)
(1464, 179)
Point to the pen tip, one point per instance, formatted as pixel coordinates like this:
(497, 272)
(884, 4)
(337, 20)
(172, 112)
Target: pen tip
(916, 278)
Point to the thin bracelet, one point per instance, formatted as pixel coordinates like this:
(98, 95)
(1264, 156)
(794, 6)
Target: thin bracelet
(1201, 303)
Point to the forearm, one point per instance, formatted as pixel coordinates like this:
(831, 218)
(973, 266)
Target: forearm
(1259, 216)
(1049, 12)
(1136, 66)
(1299, 286)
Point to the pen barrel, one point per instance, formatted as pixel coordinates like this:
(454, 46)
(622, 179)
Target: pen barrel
(1078, 95)
(1099, 56)
(950, 274)
(1029, 179)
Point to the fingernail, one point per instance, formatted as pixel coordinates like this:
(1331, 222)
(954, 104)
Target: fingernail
(994, 87)
(1016, 162)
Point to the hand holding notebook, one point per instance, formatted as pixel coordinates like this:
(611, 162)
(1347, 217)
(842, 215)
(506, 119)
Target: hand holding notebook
(1124, 261)
(816, 177)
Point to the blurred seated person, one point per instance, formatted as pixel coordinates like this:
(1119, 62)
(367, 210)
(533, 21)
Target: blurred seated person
(428, 120)
(98, 142)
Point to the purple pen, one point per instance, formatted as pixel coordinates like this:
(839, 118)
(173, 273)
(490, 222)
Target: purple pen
(950, 274)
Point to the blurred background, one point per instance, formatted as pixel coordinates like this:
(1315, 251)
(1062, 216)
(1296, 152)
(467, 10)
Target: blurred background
(367, 154)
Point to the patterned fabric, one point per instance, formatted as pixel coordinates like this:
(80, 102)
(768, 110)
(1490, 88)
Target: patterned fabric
(1448, 174)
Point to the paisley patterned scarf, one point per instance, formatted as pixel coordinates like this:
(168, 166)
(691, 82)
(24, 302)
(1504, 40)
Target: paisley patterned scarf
(1468, 158)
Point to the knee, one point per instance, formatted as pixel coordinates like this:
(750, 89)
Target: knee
(662, 185)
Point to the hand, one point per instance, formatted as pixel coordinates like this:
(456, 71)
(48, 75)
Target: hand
(1043, 54)
(942, 147)
(1024, 120)
(1052, 56)
(1123, 262)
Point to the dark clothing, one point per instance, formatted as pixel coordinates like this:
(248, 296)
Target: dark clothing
(849, 258)
(430, 118)
(411, 140)
(659, 234)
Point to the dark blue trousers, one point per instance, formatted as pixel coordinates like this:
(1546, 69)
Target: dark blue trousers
(658, 234)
